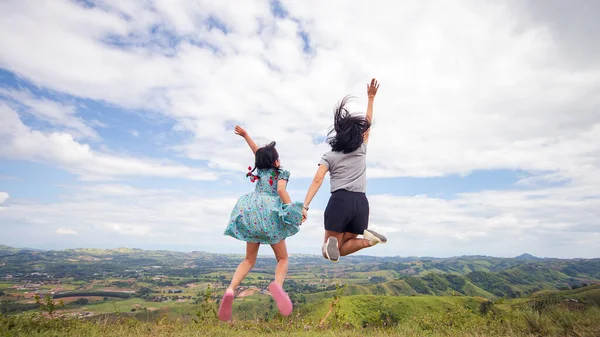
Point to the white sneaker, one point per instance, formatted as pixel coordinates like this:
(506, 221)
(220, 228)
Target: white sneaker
(330, 249)
(374, 237)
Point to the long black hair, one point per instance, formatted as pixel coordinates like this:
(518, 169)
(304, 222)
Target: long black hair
(349, 129)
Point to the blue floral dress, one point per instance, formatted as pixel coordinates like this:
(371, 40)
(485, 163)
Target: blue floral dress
(260, 216)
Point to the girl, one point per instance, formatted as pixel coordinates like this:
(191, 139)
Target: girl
(265, 216)
(347, 212)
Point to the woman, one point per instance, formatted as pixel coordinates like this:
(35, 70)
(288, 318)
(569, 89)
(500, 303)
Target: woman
(347, 212)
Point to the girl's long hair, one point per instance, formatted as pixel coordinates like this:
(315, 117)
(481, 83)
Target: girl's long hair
(348, 129)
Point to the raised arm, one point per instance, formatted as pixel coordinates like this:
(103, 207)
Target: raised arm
(243, 133)
(313, 189)
(371, 92)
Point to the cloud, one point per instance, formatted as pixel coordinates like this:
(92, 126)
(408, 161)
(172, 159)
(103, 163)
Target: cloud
(573, 28)
(123, 215)
(65, 231)
(547, 222)
(3, 197)
(60, 149)
(465, 87)
(57, 114)
(553, 222)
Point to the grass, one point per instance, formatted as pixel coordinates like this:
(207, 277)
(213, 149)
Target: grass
(589, 294)
(454, 322)
(472, 290)
(365, 310)
(335, 313)
(5, 285)
(113, 306)
(92, 299)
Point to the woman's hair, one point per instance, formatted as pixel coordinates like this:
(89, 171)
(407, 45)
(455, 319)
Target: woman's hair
(349, 129)
(266, 157)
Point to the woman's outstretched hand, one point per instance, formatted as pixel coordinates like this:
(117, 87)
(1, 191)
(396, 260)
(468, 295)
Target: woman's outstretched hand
(372, 88)
(240, 131)
(304, 214)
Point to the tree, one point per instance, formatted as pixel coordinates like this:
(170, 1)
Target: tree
(82, 301)
(208, 308)
(144, 292)
(377, 279)
(47, 304)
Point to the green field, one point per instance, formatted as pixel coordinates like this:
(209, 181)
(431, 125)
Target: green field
(361, 315)
(177, 294)
(5, 285)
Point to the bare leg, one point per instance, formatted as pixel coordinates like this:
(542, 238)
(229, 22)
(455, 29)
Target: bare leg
(351, 244)
(244, 268)
(347, 236)
(284, 304)
(281, 255)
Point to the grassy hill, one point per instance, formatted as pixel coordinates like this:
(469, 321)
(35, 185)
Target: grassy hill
(483, 276)
(586, 295)
(144, 278)
(372, 310)
(512, 282)
(353, 316)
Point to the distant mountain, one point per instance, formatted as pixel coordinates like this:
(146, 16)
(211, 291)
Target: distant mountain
(4, 247)
(353, 258)
(527, 257)
(8, 249)
(488, 277)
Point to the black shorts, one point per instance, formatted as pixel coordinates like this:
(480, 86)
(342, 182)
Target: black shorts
(347, 212)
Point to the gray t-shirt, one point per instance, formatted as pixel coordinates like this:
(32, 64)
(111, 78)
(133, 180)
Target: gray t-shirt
(347, 171)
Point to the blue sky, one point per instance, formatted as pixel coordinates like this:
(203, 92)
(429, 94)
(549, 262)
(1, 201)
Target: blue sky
(117, 121)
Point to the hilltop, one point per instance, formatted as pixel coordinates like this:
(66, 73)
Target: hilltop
(548, 314)
(415, 295)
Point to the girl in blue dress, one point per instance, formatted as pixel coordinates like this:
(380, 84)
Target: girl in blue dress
(265, 216)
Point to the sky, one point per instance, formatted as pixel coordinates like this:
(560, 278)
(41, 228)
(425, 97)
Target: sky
(116, 120)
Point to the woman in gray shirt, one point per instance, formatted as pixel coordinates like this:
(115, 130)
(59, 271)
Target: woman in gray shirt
(347, 212)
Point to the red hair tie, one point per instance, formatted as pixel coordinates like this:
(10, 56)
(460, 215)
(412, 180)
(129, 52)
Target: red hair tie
(253, 178)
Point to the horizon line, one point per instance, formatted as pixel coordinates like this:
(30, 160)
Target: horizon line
(306, 254)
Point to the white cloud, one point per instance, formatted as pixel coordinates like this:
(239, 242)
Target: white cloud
(547, 222)
(124, 215)
(554, 222)
(65, 231)
(58, 114)
(3, 197)
(60, 149)
(464, 86)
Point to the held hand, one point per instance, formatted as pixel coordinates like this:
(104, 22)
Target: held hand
(372, 88)
(304, 214)
(240, 131)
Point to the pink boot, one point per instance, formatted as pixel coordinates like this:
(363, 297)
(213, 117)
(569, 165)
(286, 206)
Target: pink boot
(284, 304)
(225, 308)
